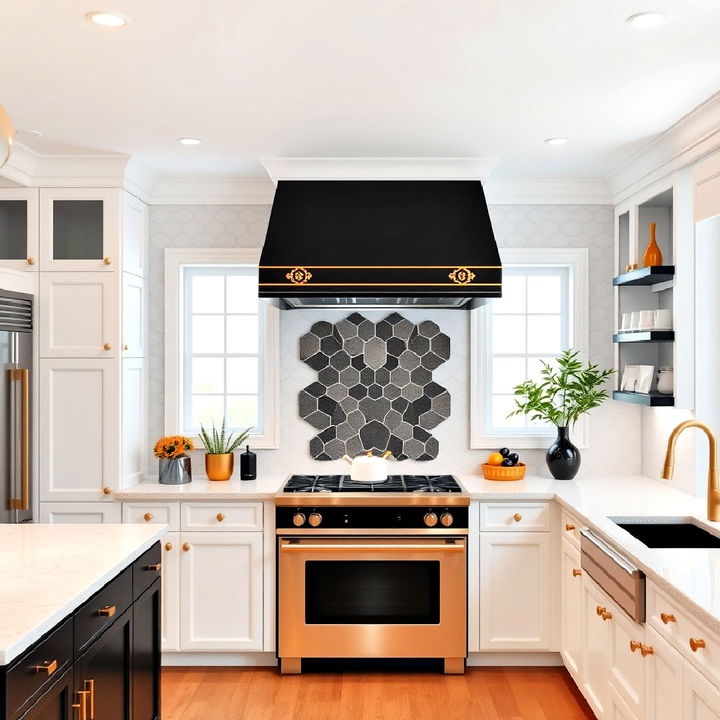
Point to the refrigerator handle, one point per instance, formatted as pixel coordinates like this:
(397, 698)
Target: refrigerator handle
(23, 376)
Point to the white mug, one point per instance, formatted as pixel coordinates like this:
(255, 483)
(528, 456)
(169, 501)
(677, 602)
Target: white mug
(663, 320)
(634, 321)
(647, 320)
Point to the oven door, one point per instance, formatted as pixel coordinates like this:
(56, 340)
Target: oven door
(374, 597)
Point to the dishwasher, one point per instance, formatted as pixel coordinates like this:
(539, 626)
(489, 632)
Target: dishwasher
(615, 574)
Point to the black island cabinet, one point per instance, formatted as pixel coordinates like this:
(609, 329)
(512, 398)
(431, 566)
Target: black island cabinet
(100, 663)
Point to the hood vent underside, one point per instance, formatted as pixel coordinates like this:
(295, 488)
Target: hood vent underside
(376, 244)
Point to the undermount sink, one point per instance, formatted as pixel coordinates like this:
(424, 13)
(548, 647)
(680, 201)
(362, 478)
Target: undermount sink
(668, 532)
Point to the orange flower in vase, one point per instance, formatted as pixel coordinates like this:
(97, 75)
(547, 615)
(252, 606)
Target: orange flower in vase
(175, 468)
(653, 254)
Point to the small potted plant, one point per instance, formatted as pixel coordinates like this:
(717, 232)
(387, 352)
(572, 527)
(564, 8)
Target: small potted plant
(175, 468)
(564, 393)
(219, 447)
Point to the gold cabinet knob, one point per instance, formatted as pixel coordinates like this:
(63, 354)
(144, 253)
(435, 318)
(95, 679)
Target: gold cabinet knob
(30, 261)
(125, 347)
(107, 491)
(576, 572)
(517, 517)
(569, 527)
(148, 517)
(186, 546)
(696, 645)
(168, 546)
(607, 615)
(107, 261)
(667, 618)
(600, 609)
(49, 667)
(646, 650)
(220, 517)
(635, 645)
(107, 611)
(107, 346)
(315, 519)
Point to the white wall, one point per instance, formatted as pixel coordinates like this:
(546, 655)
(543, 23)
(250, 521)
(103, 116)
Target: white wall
(615, 427)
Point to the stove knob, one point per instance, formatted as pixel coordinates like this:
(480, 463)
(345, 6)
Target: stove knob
(446, 519)
(315, 519)
(298, 519)
(430, 519)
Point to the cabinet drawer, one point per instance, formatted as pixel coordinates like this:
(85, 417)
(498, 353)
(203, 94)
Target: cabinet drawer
(146, 570)
(570, 527)
(38, 668)
(515, 516)
(164, 513)
(101, 609)
(680, 627)
(212, 516)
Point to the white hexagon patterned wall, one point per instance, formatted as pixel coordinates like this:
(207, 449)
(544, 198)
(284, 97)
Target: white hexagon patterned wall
(374, 389)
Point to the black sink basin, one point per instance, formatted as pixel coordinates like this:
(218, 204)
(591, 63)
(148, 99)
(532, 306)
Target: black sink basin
(669, 534)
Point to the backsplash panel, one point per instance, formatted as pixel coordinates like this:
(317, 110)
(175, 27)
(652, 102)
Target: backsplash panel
(374, 389)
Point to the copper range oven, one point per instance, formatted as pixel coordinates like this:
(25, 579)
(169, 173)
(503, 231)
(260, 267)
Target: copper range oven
(372, 571)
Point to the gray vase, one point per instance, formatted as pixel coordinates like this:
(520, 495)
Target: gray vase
(176, 471)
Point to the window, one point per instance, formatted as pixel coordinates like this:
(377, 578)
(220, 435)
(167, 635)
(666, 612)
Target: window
(543, 311)
(221, 344)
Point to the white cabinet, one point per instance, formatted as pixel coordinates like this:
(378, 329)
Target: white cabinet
(66, 512)
(134, 437)
(626, 656)
(78, 315)
(170, 615)
(221, 590)
(701, 697)
(663, 679)
(571, 603)
(515, 591)
(78, 429)
(133, 316)
(594, 650)
(134, 232)
(19, 228)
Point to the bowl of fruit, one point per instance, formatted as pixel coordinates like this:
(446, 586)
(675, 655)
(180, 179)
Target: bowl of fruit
(503, 465)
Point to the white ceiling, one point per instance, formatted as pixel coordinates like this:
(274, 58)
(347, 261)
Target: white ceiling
(380, 78)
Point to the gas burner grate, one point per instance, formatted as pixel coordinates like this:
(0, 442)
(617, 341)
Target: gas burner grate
(394, 483)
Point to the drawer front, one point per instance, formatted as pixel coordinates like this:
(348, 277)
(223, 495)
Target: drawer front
(684, 632)
(515, 516)
(39, 668)
(101, 610)
(163, 513)
(146, 570)
(570, 527)
(226, 516)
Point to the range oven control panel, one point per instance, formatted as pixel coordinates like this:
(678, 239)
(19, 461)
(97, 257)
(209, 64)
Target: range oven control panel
(401, 517)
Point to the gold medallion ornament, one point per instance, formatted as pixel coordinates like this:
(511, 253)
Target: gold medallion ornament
(298, 276)
(462, 276)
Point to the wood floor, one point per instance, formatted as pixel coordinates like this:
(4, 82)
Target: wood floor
(262, 694)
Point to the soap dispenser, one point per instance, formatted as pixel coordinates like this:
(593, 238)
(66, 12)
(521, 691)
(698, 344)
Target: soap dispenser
(248, 464)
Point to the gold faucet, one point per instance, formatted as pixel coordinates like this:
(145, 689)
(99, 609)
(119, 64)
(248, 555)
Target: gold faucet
(713, 491)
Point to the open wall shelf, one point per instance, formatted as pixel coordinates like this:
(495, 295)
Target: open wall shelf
(646, 276)
(649, 399)
(648, 336)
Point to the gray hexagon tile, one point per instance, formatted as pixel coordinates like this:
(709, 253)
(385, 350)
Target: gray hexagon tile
(374, 388)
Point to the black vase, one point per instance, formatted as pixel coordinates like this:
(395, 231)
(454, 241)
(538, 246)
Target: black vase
(248, 465)
(562, 457)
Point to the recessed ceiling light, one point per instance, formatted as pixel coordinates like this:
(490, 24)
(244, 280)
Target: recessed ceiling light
(106, 18)
(646, 19)
(556, 141)
(189, 141)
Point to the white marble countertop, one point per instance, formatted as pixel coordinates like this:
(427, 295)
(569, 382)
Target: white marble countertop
(48, 571)
(264, 488)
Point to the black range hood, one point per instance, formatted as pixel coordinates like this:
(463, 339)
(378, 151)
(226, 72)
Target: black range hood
(379, 243)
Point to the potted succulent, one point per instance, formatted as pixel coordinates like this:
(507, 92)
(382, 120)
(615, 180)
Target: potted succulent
(564, 393)
(175, 468)
(219, 447)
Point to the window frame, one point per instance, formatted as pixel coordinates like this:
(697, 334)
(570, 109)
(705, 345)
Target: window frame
(481, 437)
(175, 260)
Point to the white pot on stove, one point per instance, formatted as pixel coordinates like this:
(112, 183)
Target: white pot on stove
(368, 467)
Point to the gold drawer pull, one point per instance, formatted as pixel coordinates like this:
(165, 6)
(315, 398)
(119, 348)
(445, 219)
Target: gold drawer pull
(107, 611)
(148, 517)
(696, 645)
(576, 572)
(517, 517)
(107, 491)
(156, 567)
(635, 645)
(606, 615)
(569, 527)
(667, 618)
(646, 650)
(90, 687)
(82, 705)
(168, 546)
(107, 346)
(220, 517)
(600, 609)
(186, 546)
(30, 261)
(48, 667)
(126, 347)
(107, 261)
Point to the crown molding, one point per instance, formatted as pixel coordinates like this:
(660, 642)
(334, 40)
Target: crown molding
(548, 191)
(213, 191)
(378, 168)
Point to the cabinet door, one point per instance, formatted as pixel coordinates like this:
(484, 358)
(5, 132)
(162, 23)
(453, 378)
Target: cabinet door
(55, 704)
(625, 666)
(221, 578)
(133, 319)
(146, 654)
(134, 234)
(104, 672)
(170, 626)
(78, 429)
(515, 591)
(79, 315)
(19, 228)
(134, 439)
(702, 698)
(595, 649)
(571, 609)
(86, 512)
(663, 679)
(79, 229)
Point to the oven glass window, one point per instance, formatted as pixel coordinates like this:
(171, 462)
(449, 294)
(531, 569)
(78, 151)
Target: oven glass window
(372, 592)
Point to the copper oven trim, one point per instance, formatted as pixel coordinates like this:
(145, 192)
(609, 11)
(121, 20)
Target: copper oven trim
(370, 499)
(438, 532)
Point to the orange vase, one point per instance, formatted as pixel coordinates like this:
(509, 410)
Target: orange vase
(653, 254)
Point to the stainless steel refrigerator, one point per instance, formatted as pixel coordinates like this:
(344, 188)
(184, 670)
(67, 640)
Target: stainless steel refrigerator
(16, 324)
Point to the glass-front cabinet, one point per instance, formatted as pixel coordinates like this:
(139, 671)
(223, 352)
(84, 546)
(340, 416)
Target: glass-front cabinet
(79, 229)
(19, 228)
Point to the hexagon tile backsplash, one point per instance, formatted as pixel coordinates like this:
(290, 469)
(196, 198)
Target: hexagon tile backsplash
(374, 389)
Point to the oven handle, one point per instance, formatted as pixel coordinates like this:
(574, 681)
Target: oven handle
(284, 547)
